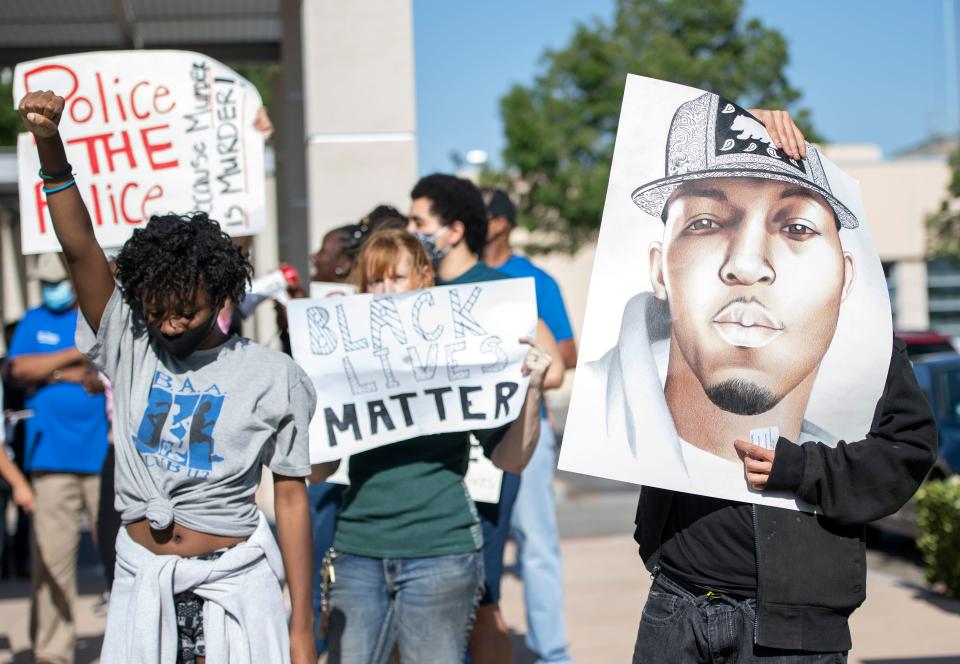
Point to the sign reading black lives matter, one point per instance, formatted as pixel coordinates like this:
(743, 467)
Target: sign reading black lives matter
(736, 294)
(389, 368)
(147, 132)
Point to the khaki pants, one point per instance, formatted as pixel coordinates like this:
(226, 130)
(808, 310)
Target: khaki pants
(61, 499)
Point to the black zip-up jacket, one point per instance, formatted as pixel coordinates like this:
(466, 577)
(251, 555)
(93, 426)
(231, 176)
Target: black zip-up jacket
(811, 568)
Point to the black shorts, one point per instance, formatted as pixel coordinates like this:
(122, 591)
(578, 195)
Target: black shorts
(189, 609)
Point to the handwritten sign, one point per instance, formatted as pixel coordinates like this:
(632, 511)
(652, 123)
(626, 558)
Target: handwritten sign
(147, 132)
(390, 368)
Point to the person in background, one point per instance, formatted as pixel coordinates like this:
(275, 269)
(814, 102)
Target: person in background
(334, 262)
(16, 550)
(407, 569)
(17, 485)
(448, 216)
(534, 522)
(66, 442)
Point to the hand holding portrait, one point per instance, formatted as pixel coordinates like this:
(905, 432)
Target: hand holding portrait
(757, 463)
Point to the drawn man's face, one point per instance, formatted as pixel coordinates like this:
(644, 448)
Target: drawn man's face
(754, 275)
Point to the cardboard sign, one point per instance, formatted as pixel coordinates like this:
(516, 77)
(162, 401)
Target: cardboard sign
(147, 132)
(394, 367)
(736, 294)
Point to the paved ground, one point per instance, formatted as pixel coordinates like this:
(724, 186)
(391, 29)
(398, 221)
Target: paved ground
(901, 622)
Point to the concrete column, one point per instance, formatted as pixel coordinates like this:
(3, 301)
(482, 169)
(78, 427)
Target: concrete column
(12, 304)
(289, 141)
(266, 258)
(912, 305)
(359, 100)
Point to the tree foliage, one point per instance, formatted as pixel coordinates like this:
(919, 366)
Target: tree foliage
(10, 124)
(943, 226)
(560, 129)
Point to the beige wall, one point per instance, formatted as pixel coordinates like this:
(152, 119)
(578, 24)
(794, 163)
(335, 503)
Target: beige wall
(898, 195)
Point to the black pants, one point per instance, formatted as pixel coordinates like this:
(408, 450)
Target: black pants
(108, 519)
(678, 627)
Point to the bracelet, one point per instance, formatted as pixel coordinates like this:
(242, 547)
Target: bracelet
(56, 176)
(60, 188)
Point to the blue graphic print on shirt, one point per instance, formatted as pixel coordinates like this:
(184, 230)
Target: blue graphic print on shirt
(176, 432)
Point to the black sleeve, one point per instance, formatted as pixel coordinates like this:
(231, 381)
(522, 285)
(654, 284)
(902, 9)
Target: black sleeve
(490, 438)
(859, 482)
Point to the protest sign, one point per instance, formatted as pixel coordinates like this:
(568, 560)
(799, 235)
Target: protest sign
(147, 132)
(322, 289)
(736, 294)
(483, 479)
(392, 367)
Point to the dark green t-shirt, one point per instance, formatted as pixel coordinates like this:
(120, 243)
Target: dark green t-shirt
(408, 499)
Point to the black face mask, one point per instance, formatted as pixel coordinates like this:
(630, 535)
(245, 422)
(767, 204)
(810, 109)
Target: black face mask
(181, 345)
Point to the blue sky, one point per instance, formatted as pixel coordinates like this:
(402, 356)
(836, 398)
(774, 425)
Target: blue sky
(872, 71)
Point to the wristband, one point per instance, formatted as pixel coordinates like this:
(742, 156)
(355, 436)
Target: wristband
(56, 176)
(60, 188)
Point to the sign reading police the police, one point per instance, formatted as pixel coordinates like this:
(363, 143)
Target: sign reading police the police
(388, 368)
(146, 132)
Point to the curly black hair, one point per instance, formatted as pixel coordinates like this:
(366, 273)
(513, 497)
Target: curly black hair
(456, 199)
(173, 255)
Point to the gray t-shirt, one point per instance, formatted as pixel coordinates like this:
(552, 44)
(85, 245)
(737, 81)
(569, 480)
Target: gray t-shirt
(192, 435)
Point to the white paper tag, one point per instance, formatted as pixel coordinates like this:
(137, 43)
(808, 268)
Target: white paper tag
(766, 437)
(483, 479)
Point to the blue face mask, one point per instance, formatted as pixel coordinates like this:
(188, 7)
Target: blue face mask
(57, 297)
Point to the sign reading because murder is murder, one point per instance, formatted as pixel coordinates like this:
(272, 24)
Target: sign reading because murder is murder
(147, 132)
(389, 368)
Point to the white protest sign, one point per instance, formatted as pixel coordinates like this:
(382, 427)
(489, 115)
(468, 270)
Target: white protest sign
(736, 295)
(147, 132)
(322, 289)
(392, 367)
(483, 479)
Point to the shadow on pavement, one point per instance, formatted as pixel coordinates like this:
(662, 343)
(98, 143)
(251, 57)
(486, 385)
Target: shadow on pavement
(88, 651)
(521, 654)
(940, 601)
(915, 660)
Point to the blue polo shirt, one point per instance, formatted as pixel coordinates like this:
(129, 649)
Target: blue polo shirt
(550, 307)
(68, 432)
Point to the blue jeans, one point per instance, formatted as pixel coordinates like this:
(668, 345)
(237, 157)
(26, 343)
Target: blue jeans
(495, 521)
(324, 501)
(678, 627)
(538, 553)
(424, 606)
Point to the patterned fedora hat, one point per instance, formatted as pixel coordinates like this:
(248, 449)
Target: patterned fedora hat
(711, 137)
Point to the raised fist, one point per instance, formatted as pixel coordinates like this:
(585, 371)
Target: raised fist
(41, 112)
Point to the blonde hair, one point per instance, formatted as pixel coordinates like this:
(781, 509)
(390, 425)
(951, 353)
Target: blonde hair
(381, 254)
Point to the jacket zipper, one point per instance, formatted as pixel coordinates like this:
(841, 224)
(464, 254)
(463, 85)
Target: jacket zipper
(756, 548)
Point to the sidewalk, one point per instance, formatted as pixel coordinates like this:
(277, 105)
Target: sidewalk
(606, 586)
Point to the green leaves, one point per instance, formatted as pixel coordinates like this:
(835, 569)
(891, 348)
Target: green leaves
(560, 129)
(938, 516)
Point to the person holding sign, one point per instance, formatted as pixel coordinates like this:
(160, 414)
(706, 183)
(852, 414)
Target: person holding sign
(406, 569)
(448, 216)
(751, 276)
(197, 415)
